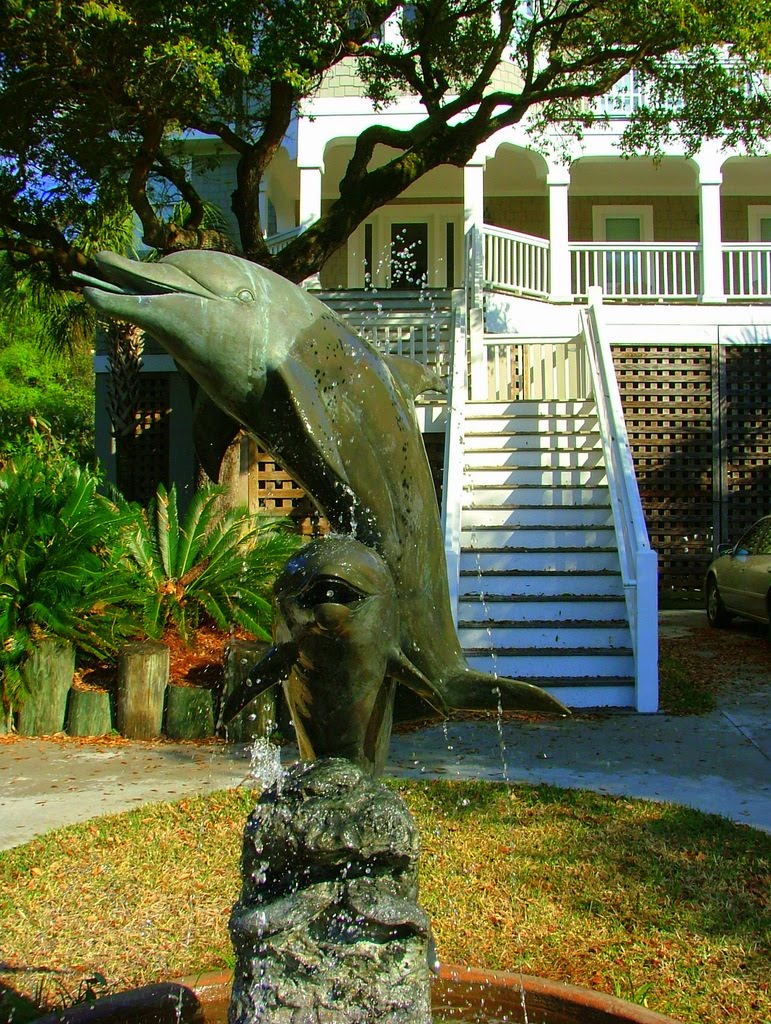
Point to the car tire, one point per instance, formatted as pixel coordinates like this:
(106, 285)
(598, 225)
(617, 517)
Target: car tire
(717, 613)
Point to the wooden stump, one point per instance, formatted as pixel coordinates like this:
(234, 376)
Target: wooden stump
(189, 712)
(88, 713)
(48, 673)
(259, 716)
(143, 673)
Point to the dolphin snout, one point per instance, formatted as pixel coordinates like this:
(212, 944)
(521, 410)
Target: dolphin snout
(331, 617)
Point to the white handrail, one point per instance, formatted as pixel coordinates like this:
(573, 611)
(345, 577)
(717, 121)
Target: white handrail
(276, 243)
(452, 491)
(638, 561)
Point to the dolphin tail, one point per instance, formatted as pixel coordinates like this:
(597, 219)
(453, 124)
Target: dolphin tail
(470, 690)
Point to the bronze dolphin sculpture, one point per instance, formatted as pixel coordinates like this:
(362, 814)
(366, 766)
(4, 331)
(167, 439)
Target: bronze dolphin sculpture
(337, 651)
(334, 411)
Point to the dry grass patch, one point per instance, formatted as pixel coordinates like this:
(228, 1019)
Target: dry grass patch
(646, 900)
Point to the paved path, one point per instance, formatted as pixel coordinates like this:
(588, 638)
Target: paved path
(719, 762)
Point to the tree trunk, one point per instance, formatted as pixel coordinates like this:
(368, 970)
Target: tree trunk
(189, 712)
(125, 363)
(48, 673)
(143, 674)
(89, 713)
(259, 716)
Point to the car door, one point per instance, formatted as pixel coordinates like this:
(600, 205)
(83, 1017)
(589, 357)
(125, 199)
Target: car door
(733, 577)
(757, 571)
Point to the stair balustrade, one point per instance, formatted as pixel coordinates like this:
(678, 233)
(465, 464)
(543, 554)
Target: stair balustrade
(638, 561)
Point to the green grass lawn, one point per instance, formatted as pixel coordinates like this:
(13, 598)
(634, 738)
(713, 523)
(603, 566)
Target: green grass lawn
(647, 901)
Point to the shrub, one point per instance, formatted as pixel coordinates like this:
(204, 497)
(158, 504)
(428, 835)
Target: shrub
(214, 565)
(60, 549)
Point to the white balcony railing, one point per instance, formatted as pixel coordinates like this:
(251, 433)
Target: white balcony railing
(747, 270)
(626, 96)
(516, 262)
(638, 270)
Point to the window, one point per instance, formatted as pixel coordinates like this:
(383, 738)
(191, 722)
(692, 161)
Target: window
(623, 270)
(759, 223)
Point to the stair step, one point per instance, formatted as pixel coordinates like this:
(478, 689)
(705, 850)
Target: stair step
(544, 459)
(473, 608)
(544, 517)
(553, 665)
(535, 476)
(552, 426)
(570, 407)
(547, 584)
(537, 441)
(550, 638)
(480, 493)
(539, 560)
(536, 537)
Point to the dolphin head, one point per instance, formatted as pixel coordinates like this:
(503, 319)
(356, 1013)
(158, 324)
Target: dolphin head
(339, 587)
(210, 310)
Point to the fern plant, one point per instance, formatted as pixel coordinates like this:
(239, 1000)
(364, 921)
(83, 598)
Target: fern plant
(59, 559)
(211, 565)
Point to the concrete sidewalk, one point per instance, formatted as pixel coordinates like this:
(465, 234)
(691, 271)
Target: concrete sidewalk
(720, 762)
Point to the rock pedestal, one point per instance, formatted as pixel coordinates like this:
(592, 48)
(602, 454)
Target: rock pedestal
(328, 929)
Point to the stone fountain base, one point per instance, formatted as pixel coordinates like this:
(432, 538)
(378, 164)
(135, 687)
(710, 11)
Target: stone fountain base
(459, 993)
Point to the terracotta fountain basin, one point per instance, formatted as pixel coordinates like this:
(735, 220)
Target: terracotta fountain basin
(460, 994)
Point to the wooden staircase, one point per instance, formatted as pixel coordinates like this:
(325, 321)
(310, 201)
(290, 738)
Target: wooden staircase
(540, 591)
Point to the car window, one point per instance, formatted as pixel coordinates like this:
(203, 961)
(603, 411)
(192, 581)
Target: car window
(757, 540)
(763, 543)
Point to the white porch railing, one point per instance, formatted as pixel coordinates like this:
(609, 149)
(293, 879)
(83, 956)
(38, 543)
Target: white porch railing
(276, 243)
(641, 270)
(425, 337)
(533, 369)
(516, 262)
(638, 561)
(747, 269)
(635, 271)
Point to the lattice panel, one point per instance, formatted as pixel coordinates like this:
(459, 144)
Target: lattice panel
(746, 404)
(272, 490)
(151, 444)
(278, 494)
(667, 397)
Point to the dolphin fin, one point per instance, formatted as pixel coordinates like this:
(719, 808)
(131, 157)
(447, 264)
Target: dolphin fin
(303, 391)
(416, 378)
(274, 667)
(470, 690)
(213, 433)
(403, 671)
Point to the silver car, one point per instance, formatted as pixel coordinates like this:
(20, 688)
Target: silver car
(738, 582)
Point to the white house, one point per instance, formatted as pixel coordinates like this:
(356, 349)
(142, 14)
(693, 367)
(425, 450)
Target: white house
(605, 326)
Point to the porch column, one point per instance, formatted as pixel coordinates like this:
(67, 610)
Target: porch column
(310, 209)
(560, 289)
(473, 219)
(310, 195)
(473, 242)
(712, 286)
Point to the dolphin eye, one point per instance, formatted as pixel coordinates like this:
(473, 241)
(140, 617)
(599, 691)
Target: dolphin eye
(329, 590)
(245, 295)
